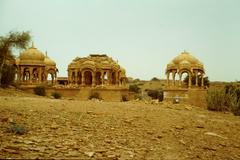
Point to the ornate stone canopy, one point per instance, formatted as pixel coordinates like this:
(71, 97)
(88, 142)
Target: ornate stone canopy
(185, 63)
(33, 67)
(95, 69)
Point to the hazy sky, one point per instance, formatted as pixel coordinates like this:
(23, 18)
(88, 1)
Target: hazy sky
(143, 35)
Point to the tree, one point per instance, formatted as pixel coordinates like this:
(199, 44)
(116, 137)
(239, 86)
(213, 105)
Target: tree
(205, 80)
(13, 40)
(155, 79)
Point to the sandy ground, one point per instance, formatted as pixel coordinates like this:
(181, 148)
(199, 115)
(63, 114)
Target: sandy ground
(75, 129)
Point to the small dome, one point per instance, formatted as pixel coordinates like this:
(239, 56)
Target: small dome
(49, 62)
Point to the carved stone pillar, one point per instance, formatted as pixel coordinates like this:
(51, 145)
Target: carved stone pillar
(108, 78)
(202, 82)
(83, 79)
(21, 74)
(117, 78)
(102, 77)
(76, 76)
(180, 80)
(168, 79)
(190, 81)
(55, 82)
(93, 79)
(69, 76)
(31, 75)
(196, 74)
(173, 76)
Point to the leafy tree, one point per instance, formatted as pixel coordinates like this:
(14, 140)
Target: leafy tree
(205, 80)
(13, 40)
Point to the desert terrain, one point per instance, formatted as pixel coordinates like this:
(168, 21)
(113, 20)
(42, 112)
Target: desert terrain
(74, 129)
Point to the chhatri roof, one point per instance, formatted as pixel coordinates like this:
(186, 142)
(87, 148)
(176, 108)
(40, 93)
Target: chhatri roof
(33, 56)
(185, 61)
(95, 61)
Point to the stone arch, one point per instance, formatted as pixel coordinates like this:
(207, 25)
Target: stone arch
(52, 74)
(35, 75)
(88, 77)
(26, 74)
(189, 74)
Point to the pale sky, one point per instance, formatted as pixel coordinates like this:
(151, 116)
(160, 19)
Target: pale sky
(143, 35)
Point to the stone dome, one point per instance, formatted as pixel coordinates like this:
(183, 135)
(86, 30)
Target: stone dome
(185, 60)
(185, 56)
(32, 56)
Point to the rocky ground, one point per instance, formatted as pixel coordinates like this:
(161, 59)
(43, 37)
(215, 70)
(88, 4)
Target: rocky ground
(75, 129)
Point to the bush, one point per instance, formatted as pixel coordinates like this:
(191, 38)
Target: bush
(233, 94)
(94, 95)
(8, 75)
(40, 90)
(156, 94)
(17, 129)
(217, 101)
(235, 105)
(125, 98)
(134, 88)
(225, 100)
(56, 95)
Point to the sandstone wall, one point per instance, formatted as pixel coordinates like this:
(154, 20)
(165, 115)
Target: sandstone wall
(195, 97)
(84, 93)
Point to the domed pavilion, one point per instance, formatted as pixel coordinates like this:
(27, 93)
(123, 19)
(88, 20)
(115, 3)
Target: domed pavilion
(33, 67)
(94, 70)
(185, 63)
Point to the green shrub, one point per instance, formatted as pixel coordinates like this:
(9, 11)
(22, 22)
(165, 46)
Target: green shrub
(134, 88)
(156, 94)
(94, 95)
(56, 95)
(217, 101)
(125, 98)
(17, 129)
(40, 90)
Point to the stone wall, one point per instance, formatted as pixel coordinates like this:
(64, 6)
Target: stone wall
(84, 93)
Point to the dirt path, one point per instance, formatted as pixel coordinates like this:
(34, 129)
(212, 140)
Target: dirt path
(113, 130)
